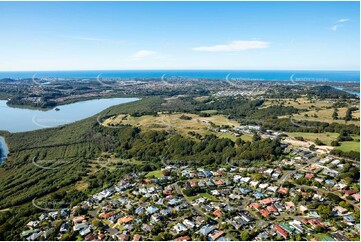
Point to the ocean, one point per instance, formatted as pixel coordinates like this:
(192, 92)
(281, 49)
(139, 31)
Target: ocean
(264, 75)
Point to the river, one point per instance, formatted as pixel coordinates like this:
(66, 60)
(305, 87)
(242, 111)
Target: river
(21, 119)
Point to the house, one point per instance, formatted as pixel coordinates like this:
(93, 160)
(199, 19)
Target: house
(85, 231)
(255, 206)
(339, 211)
(218, 213)
(268, 171)
(79, 219)
(330, 183)
(34, 236)
(179, 227)
(139, 210)
(349, 219)
(303, 209)
(290, 206)
(165, 212)
(281, 231)
(309, 176)
(264, 213)
(315, 223)
(297, 225)
(258, 195)
(155, 218)
(122, 236)
(146, 228)
(245, 179)
(272, 209)
(278, 206)
(283, 190)
(189, 224)
(215, 235)
(152, 209)
(266, 201)
(183, 238)
(64, 228)
(125, 220)
(287, 227)
(210, 183)
(219, 182)
(215, 193)
(276, 175)
(254, 183)
(356, 196)
(32, 224)
(244, 191)
(48, 232)
(263, 186)
(80, 226)
(207, 174)
(206, 229)
(348, 192)
(272, 189)
(137, 237)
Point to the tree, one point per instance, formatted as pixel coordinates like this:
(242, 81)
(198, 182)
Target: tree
(335, 115)
(256, 137)
(324, 211)
(245, 236)
(318, 142)
(335, 143)
(348, 115)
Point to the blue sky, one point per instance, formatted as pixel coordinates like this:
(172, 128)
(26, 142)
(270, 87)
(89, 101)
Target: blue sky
(179, 35)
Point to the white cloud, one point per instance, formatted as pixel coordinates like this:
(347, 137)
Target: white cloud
(143, 53)
(335, 27)
(239, 45)
(338, 24)
(343, 20)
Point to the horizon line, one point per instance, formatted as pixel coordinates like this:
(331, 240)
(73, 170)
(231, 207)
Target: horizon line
(343, 70)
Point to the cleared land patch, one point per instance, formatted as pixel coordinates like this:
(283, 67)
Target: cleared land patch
(192, 123)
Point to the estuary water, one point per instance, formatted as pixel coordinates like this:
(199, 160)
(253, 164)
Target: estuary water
(21, 119)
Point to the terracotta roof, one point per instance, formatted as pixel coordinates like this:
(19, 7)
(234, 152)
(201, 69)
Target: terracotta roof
(218, 213)
(272, 209)
(264, 212)
(183, 238)
(281, 231)
(267, 201)
(309, 176)
(254, 205)
(137, 237)
(125, 219)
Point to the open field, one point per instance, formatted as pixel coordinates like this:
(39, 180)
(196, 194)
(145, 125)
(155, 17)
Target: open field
(327, 138)
(299, 103)
(349, 145)
(205, 195)
(197, 124)
(325, 115)
(156, 174)
(245, 137)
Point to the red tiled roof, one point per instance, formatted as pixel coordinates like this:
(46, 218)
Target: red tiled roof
(309, 176)
(183, 238)
(267, 201)
(218, 213)
(281, 231)
(125, 219)
(254, 205)
(264, 212)
(272, 209)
